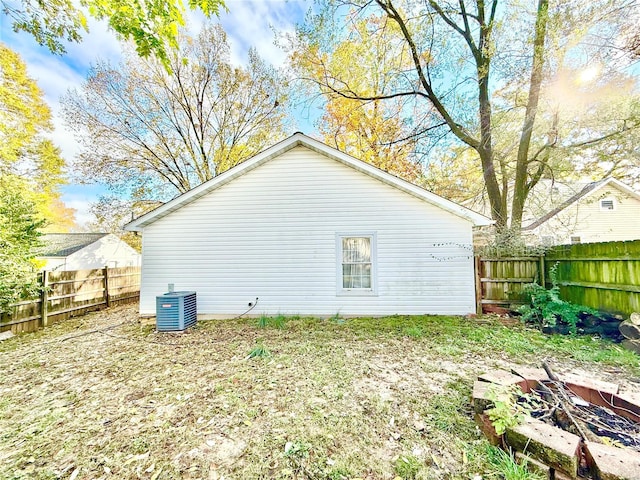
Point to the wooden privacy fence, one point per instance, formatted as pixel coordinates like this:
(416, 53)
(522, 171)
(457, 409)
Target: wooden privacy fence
(501, 281)
(604, 276)
(71, 293)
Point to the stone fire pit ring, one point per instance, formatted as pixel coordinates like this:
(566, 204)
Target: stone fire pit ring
(559, 454)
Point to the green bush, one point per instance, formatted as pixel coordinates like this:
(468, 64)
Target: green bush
(547, 309)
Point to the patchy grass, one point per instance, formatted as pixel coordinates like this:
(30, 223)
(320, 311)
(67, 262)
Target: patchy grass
(504, 466)
(339, 398)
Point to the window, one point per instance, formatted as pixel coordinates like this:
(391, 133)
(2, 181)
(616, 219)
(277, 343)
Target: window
(356, 264)
(575, 239)
(607, 204)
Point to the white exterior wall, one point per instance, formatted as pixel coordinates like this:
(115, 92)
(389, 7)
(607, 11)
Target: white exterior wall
(271, 234)
(585, 219)
(108, 251)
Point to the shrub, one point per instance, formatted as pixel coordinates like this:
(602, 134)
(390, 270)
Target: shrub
(547, 309)
(510, 406)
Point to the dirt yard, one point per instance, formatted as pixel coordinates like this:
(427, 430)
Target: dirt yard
(336, 399)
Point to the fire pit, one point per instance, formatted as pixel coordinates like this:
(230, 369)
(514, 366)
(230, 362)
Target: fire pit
(578, 428)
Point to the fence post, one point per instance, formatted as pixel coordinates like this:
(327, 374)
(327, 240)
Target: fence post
(478, 275)
(105, 273)
(44, 299)
(543, 280)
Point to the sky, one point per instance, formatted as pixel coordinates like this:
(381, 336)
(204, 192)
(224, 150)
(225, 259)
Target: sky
(247, 23)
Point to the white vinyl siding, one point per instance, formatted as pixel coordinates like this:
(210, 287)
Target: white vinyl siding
(271, 234)
(592, 222)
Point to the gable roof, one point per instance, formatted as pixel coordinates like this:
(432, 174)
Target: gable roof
(588, 189)
(295, 140)
(64, 244)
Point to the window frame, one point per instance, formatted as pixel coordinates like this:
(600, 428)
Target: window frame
(358, 292)
(608, 199)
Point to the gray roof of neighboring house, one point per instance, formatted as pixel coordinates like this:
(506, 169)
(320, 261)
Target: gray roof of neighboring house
(64, 244)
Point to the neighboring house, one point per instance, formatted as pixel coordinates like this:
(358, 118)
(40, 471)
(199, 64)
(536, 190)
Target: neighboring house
(602, 211)
(309, 230)
(83, 251)
(577, 212)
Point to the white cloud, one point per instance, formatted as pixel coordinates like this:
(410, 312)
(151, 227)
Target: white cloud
(252, 24)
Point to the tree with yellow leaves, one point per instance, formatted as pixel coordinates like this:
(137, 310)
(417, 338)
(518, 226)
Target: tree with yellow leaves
(28, 157)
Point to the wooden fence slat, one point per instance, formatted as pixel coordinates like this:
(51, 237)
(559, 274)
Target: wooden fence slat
(76, 294)
(44, 301)
(106, 286)
(63, 282)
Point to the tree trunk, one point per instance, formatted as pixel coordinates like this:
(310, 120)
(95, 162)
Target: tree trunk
(485, 150)
(520, 187)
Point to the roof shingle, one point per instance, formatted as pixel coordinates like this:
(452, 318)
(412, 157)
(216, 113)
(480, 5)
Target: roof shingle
(64, 244)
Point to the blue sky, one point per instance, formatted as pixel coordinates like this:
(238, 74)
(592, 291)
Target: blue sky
(248, 23)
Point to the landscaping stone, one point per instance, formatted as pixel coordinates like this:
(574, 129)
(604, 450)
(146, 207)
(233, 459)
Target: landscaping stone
(630, 331)
(547, 444)
(573, 381)
(626, 405)
(635, 318)
(531, 375)
(557, 454)
(612, 463)
(633, 345)
(479, 395)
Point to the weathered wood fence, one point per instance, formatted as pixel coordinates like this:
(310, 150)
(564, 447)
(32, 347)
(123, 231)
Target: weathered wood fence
(72, 293)
(605, 276)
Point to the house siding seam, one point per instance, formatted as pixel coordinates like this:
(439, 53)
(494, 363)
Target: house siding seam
(271, 234)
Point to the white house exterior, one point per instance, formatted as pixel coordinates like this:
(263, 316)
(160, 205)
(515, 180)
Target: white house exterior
(602, 211)
(309, 230)
(83, 251)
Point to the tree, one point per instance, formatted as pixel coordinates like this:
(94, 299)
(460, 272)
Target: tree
(157, 133)
(472, 67)
(151, 24)
(374, 131)
(19, 233)
(26, 152)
